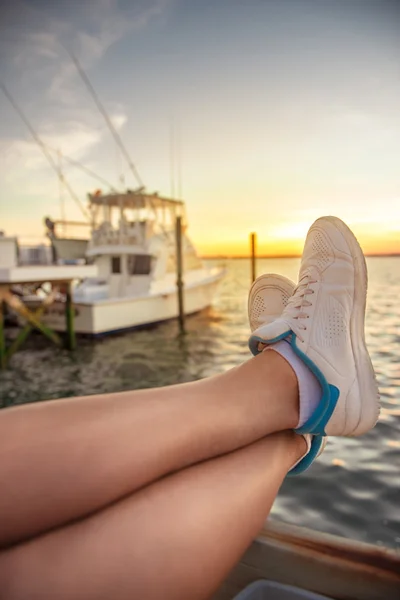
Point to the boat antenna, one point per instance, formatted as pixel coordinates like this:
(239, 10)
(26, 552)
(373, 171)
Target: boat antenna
(107, 119)
(61, 188)
(44, 149)
(179, 163)
(172, 157)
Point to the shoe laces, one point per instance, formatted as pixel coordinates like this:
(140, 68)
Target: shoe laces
(298, 302)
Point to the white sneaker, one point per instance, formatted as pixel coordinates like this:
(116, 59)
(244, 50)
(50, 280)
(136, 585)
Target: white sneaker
(268, 297)
(325, 319)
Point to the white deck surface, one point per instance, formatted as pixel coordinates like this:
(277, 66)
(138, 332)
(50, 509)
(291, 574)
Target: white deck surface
(43, 273)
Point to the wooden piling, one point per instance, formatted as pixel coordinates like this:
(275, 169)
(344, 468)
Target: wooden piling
(69, 318)
(179, 274)
(253, 243)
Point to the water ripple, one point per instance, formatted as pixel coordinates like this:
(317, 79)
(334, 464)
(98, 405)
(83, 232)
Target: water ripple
(353, 488)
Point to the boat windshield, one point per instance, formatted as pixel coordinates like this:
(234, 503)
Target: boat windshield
(139, 264)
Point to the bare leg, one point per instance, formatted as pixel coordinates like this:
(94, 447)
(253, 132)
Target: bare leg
(64, 459)
(177, 538)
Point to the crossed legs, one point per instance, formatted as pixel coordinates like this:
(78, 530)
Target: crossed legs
(143, 494)
(177, 538)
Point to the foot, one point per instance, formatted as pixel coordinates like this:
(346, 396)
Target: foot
(268, 297)
(324, 320)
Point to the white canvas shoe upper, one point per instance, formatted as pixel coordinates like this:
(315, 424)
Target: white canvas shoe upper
(325, 319)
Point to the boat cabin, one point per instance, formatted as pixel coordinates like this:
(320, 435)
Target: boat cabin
(133, 245)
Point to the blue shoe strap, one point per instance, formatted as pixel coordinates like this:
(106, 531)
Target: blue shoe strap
(254, 340)
(317, 422)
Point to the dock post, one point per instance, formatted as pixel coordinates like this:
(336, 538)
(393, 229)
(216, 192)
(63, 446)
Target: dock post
(179, 273)
(253, 242)
(2, 337)
(69, 318)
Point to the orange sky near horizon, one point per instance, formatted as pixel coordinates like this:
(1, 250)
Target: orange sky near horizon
(283, 239)
(384, 244)
(289, 248)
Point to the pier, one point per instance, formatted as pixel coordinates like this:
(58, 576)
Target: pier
(61, 278)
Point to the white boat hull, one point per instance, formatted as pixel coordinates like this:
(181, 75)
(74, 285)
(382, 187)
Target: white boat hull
(112, 315)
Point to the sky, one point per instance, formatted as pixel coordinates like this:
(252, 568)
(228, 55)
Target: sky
(262, 114)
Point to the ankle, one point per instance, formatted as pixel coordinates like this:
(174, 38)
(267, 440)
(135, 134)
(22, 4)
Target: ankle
(294, 447)
(310, 391)
(282, 384)
(261, 394)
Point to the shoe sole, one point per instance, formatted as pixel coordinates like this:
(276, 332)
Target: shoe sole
(368, 388)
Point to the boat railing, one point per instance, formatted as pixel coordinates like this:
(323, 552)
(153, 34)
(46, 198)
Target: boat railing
(318, 562)
(114, 237)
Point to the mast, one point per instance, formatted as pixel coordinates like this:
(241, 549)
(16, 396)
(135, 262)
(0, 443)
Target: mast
(172, 157)
(61, 190)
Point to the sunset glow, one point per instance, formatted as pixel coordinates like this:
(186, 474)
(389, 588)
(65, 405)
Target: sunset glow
(263, 116)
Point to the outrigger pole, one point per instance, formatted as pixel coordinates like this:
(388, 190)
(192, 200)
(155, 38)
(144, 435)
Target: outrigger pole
(107, 119)
(44, 149)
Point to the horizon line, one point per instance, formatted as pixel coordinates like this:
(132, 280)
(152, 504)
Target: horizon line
(248, 256)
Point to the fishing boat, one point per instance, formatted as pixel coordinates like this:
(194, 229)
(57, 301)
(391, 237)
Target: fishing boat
(286, 562)
(133, 245)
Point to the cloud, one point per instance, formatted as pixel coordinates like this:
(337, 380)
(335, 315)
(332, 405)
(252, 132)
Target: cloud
(118, 120)
(72, 139)
(35, 65)
(37, 47)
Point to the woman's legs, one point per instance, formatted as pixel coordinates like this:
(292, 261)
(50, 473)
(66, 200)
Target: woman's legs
(64, 459)
(177, 538)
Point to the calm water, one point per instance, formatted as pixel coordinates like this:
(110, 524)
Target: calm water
(353, 490)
